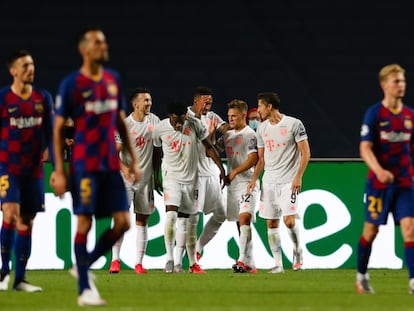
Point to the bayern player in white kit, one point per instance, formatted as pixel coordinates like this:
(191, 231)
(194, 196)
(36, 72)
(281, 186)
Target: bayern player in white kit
(240, 144)
(176, 138)
(284, 154)
(209, 197)
(140, 124)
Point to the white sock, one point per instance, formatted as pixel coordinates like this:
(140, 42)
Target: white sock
(294, 236)
(142, 241)
(192, 237)
(249, 257)
(116, 248)
(273, 237)
(244, 239)
(169, 233)
(180, 240)
(209, 231)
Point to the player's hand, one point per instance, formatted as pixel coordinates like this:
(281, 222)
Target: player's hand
(134, 173)
(58, 182)
(385, 176)
(250, 187)
(158, 186)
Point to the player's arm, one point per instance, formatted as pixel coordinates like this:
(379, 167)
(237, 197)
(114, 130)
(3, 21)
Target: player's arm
(258, 169)
(212, 153)
(58, 177)
(367, 154)
(133, 169)
(251, 160)
(304, 150)
(156, 162)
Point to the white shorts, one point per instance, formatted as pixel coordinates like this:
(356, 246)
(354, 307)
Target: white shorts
(180, 195)
(239, 201)
(142, 195)
(209, 196)
(277, 200)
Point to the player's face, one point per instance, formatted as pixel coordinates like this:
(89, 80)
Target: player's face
(263, 109)
(177, 121)
(237, 119)
(143, 103)
(394, 85)
(23, 70)
(203, 103)
(95, 47)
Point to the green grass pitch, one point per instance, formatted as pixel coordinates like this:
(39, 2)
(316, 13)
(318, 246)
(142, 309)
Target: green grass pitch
(218, 290)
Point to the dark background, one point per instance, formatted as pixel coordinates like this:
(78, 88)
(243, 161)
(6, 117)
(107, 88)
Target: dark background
(321, 57)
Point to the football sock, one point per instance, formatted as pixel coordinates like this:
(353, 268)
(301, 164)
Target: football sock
(244, 239)
(81, 255)
(294, 236)
(249, 256)
(180, 240)
(364, 252)
(273, 237)
(209, 231)
(116, 249)
(6, 241)
(192, 223)
(142, 241)
(169, 233)
(22, 251)
(104, 244)
(409, 258)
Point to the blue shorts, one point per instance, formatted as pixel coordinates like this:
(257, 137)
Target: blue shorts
(25, 190)
(380, 202)
(98, 193)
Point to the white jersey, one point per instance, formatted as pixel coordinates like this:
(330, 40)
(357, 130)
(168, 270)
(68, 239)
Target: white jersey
(281, 154)
(141, 138)
(206, 166)
(238, 146)
(180, 161)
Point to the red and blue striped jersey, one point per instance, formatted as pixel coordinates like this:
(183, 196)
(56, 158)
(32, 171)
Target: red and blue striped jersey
(392, 135)
(25, 131)
(94, 107)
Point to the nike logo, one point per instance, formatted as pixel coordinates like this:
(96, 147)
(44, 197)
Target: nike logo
(13, 109)
(86, 94)
(384, 123)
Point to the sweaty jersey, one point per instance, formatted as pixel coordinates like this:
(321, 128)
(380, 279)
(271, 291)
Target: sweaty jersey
(94, 106)
(25, 131)
(180, 161)
(281, 154)
(238, 146)
(141, 136)
(392, 138)
(206, 166)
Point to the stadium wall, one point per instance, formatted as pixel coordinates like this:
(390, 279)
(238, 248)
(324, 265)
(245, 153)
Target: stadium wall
(331, 218)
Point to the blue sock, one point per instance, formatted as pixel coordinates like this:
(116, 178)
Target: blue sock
(409, 258)
(364, 252)
(6, 240)
(22, 251)
(104, 244)
(81, 255)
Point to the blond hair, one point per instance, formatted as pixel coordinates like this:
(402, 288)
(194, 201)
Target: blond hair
(388, 70)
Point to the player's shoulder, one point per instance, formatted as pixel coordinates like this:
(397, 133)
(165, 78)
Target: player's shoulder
(4, 90)
(153, 118)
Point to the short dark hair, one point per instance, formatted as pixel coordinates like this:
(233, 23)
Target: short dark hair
(135, 92)
(81, 34)
(270, 98)
(202, 90)
(16, 55)
(238, 104)
(177, 107)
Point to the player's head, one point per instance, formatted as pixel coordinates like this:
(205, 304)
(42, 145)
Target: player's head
(21, 66)
(203, 99)
(92, 45)
(141, 100)
(177, 112)
(237, 110)
(266, 101)
(392, 80)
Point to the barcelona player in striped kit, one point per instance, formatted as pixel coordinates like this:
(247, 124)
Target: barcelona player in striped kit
(91, 96)
(25, 131)
(387, 141)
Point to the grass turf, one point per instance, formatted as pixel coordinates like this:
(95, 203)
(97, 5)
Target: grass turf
(218, 290)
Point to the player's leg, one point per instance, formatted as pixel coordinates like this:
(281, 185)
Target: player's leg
(244, 239)
(7, 236)
(407, 230)
(141, 241)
